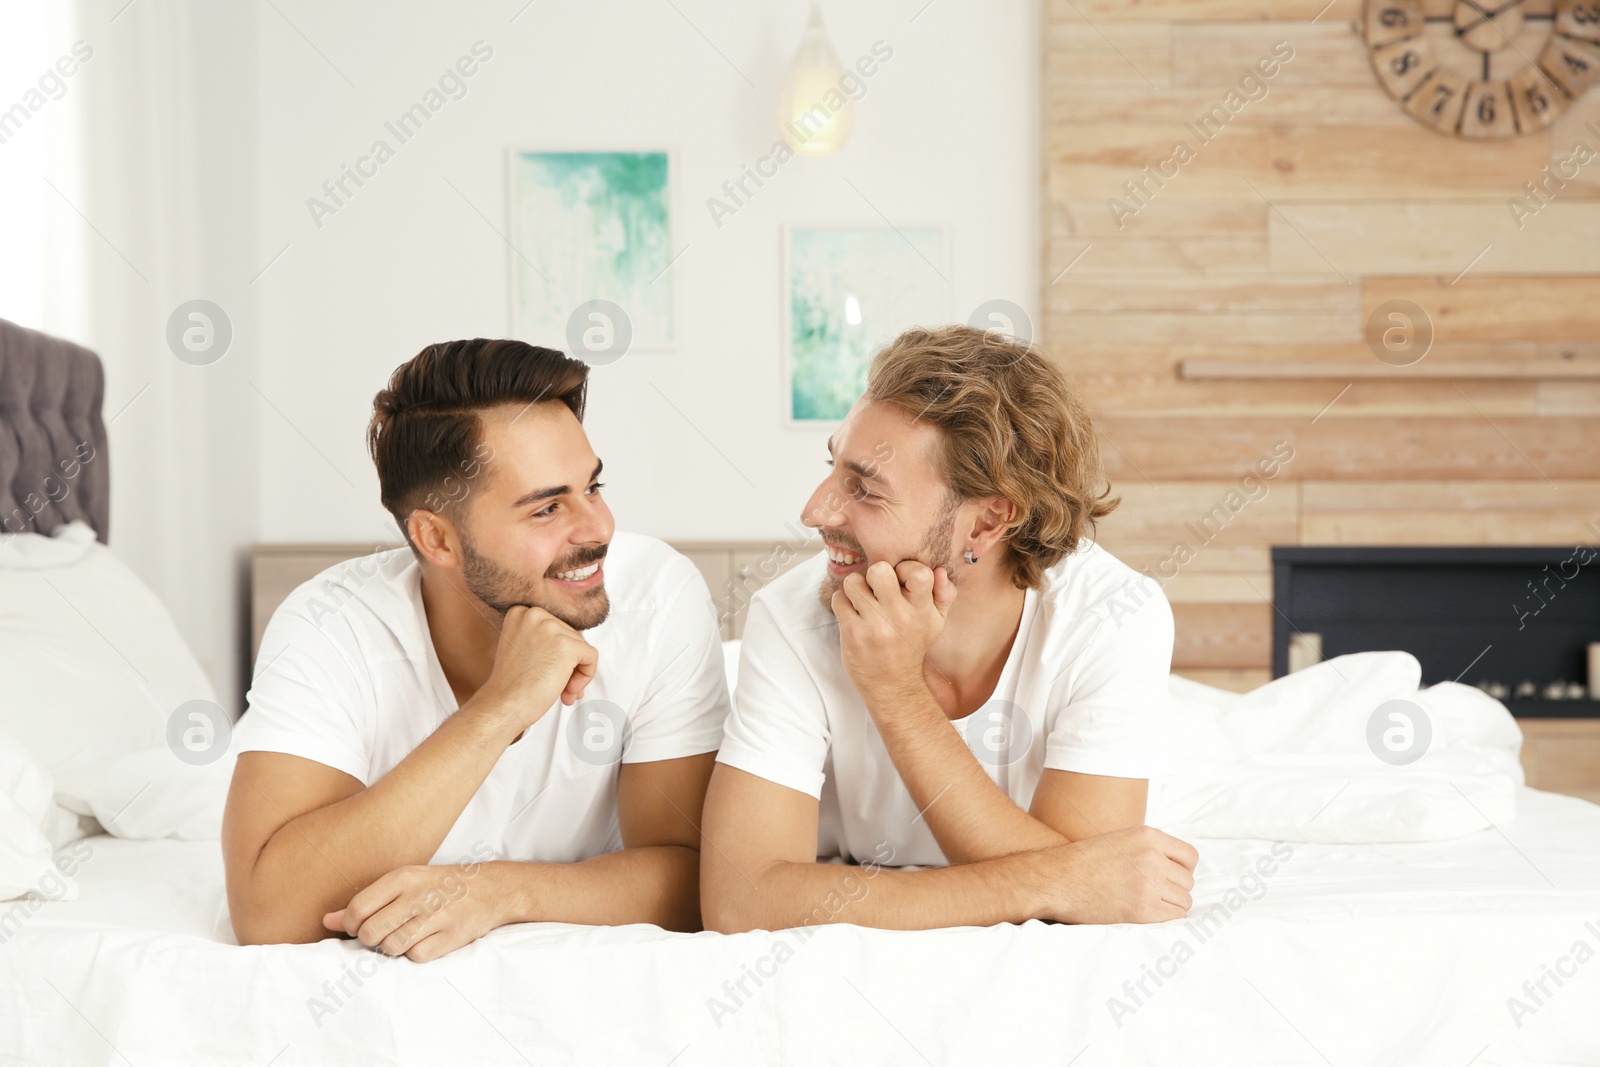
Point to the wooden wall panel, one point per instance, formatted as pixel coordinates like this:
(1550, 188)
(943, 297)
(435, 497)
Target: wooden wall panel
(1303, 54)
(1315, 105)
(1532, 512)
(1337, 164)
(1448, 239)
(1244, 10)
(1078, 53)
(1209, 295)
(1569, 398)
(1262, 512)
(1222, 635)
(1483, 307)
(1228, 253)
(1163, 396)
(1249, 327)
(1426, 449)
(1271, 248)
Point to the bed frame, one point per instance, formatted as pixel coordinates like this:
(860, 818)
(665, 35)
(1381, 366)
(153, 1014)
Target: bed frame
(53, 463)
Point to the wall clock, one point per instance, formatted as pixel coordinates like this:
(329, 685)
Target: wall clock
(1483, 71)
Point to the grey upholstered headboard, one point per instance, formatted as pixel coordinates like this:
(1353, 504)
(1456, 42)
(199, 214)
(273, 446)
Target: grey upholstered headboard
(53, 462)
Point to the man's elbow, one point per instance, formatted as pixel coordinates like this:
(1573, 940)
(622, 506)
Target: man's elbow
(256, 924)
(736, 906)
(727, 918)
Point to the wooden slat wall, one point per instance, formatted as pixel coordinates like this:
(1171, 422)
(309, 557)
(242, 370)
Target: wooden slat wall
(1275, 243)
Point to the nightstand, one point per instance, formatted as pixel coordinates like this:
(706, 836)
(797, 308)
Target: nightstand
(1562, 756)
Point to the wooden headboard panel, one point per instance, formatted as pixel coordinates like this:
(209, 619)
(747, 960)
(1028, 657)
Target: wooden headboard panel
(734, 571)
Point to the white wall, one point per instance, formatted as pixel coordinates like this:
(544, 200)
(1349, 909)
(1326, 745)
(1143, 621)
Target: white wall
(947, 132)
(209, 126)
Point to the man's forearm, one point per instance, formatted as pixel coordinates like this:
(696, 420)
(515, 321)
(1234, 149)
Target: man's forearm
(968, 814)
(657, 884)
(1006, 889)
(317, 861)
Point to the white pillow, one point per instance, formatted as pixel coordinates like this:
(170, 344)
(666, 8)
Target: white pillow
(92, 664)
(30, 828)
(149, 794)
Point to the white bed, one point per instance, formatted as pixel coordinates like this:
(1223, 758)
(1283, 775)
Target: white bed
(1348, 954)
(1347, 911)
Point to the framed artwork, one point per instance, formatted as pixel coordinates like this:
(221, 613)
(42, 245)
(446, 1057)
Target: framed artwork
(590, 229)
(847, 291)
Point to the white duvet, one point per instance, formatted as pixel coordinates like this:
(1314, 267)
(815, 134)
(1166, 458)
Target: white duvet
(1299, 759)
(1412, 954)
(31, 827)
(1348, 910)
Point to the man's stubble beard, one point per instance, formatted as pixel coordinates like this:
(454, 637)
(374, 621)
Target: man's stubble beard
(934, 553)
(502, 589)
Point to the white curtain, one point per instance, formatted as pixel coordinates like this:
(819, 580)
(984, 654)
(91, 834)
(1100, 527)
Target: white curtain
(148, 190)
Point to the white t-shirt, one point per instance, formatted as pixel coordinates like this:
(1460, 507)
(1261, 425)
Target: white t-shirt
(347, 675)
(1084, 689)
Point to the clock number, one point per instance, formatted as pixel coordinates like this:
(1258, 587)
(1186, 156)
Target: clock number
(1403, 62)
(1572, 64)
(1487, 113)
(1440, 101)
(1388, 21)
(1580, 21)
(1535, 101)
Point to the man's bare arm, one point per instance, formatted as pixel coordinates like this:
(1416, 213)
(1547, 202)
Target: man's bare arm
(758, 871)
(887, 618)
(656, 876)
(300, 839)
(426, 911)
(967, 812)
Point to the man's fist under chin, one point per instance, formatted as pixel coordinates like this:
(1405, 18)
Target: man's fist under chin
(889, 617)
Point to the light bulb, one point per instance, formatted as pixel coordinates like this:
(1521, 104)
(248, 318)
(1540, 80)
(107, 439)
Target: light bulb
(814, 114)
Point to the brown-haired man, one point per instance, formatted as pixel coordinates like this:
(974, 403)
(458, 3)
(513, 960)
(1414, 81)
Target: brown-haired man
(511, 720)
(979, 689)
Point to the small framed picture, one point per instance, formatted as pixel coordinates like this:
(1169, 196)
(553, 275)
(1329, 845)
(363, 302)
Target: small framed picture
(848, 291)
(591, 251)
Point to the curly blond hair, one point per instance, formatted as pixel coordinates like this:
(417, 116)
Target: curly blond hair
(1012, 427)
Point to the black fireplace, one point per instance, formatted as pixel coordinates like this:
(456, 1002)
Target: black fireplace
(1521, 623)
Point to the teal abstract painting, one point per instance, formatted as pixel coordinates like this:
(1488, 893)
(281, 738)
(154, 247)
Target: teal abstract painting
(587, 227)
(849, 291)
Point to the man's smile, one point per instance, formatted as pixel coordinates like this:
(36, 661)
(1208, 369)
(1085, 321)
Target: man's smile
(842, 561)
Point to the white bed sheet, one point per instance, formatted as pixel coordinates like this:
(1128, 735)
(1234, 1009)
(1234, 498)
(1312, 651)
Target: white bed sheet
(1346, 955)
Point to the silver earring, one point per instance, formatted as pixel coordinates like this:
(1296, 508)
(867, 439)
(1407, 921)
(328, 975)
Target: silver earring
(969, 557)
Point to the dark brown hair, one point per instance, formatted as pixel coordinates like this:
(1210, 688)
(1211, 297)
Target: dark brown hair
(425, 431)
(1012, 427)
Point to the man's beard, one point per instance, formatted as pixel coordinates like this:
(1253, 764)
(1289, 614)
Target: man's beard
(502, 589)
(934, 553)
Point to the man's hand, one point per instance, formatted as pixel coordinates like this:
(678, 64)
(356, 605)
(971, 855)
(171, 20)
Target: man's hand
(538, 659)
(1135, 875)
(424, 912)
(887, 622)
